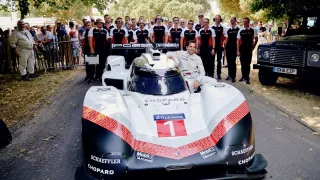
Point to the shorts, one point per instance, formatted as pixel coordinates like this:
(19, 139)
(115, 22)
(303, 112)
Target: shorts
(75, 52)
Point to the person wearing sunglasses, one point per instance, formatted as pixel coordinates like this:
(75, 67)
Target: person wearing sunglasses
(207, 45)
(24, 46)
(175, 32)
(188, 35)
(119, 35)
(159, 32)
(200, 24)
(98, 38)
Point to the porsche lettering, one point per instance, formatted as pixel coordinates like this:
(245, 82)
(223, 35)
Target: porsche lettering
(242, 151)
(244, 161)
(105, 161)
(144, 157)
(102, 171)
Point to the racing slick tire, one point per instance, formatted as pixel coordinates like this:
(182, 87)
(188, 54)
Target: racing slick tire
(267, 78)
(5, 135)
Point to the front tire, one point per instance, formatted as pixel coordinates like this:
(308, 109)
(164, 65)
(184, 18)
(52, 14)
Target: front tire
(267, 77)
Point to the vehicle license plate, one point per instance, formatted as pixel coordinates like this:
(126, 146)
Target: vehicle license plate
(285, 70)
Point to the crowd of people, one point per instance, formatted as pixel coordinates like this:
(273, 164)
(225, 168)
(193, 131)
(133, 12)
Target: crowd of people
(95, 36)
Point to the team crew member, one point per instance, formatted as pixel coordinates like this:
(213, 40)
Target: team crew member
(219, 30)
(107, 23)
(191, 67)
(200, 24)
(231, 48)
(119, 35)
(90, 69)
(134, 24)
(159, 32)
(132, 39)
(249, 39)
(142, 35)
(23, 44)
(183, 24)
(188, 35)
(207, 46)
(98, 38)
(175, 32)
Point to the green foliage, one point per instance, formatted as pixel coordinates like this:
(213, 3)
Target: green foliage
(276, 9)
(167, 8)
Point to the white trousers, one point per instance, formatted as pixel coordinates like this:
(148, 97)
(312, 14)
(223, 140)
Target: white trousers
(26, 59)
(204, 80)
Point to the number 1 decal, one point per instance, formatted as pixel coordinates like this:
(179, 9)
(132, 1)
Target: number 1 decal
(170, 125)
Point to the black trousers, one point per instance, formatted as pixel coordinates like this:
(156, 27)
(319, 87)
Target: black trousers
(207, 60)
(218, 54)
(102, 64)
(231, 59)
(245, 59)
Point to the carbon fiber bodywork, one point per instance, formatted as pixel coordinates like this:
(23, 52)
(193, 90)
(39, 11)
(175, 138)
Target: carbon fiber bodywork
(107, 156)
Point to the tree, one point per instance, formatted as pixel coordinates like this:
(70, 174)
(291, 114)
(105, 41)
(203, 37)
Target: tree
(167, 8)
(24, 6)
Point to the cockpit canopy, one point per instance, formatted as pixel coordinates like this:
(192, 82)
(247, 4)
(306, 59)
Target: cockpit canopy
(145, 78)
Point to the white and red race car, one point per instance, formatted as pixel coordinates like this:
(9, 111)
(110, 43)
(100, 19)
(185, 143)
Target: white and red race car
(144, 123)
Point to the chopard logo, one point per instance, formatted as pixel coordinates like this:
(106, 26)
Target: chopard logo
(165, 101)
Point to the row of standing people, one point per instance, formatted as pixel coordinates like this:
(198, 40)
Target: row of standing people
(210, 41)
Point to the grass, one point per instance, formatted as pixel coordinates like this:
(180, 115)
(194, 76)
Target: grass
(20, 100)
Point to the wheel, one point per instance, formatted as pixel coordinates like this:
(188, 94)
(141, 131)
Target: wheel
(5, 135)
(267, 77)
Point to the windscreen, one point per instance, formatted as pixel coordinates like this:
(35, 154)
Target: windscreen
(157, 85)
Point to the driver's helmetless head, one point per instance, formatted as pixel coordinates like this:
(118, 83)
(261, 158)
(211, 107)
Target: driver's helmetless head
(191, 47)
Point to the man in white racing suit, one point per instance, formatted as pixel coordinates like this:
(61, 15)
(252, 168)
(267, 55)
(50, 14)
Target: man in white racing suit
(191, 67)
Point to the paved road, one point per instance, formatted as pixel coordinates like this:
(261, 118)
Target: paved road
(292, 151)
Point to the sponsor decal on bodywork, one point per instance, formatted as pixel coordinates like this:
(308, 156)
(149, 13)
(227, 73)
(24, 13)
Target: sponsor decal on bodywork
(244, 161)
(105, 161)
(164, 101)
(208, 152)
(102, 171)
(242, 151)
(144, 157)
(170, 125)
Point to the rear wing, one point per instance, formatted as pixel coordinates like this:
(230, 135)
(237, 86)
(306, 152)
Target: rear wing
(159, 46)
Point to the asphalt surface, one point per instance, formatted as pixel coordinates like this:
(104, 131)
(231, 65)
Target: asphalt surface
(49, 146)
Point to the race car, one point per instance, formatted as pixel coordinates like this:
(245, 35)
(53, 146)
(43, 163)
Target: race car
(144, 123)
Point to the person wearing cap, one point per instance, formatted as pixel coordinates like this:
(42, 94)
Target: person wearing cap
(98, 38)
(247, 39)
(200, 24)
(24, 46)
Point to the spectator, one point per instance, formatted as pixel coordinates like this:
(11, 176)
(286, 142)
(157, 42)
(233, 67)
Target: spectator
(75, 47)
(44, 38)
(83, 28)
(23, 44)
(60, 31)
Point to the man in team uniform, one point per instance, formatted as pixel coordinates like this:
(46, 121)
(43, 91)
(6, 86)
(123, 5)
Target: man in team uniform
(108, 26)
(207, 46)
(134, 25)
(183, 24)
(142, 35)
(98, 38)
(132, 39)
(119, 35)
(159, 32)
(246, 41)
(231, 48)
(219, 30)
(175, 32)
(200, 24)
(188, 35)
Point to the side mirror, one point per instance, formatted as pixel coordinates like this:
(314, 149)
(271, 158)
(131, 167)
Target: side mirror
(5, 135)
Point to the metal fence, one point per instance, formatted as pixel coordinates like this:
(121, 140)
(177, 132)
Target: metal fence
(51, 56)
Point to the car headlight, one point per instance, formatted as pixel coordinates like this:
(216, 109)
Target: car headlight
(266, 54)
(314, 57)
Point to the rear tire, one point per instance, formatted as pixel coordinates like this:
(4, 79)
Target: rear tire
(267, 77)
(5, 135)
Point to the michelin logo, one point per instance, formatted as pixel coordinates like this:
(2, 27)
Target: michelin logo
(208, 153)
(145, 157)
(168, 116)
